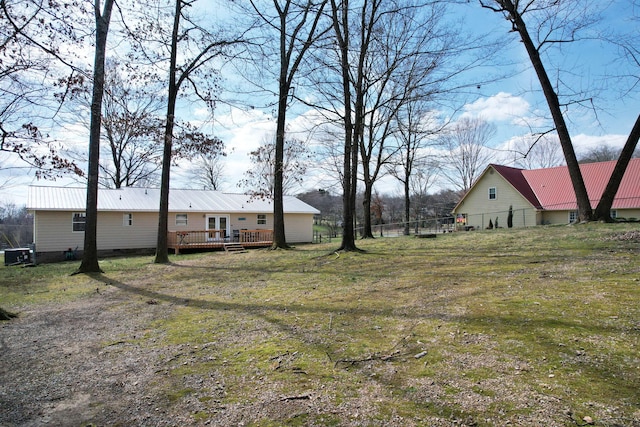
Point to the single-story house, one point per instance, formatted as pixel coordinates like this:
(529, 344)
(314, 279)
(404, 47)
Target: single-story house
(128, 220)
(543, 196)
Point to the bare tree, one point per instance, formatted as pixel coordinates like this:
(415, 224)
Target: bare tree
(409, 44)
(384, 53)
(603, 153)
(16, 226)
(420, 183)
(557, 23)
(89, 262)
(416, 130)
(208, 172)
(603, 210)
(297, 27)
(31, 35)
(536, 151)
(351, 117)
(466, 151)
(131, 127)
(189, 51)
(260, 178)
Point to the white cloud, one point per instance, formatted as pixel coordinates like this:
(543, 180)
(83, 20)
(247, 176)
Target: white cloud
(502, 107)
(583, 143)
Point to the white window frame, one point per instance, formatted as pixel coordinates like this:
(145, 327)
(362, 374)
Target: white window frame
(182, 220)
(74, 222)
(262, 219)
(613, 213)
(495, 193)
(127, 220)
(573, 216)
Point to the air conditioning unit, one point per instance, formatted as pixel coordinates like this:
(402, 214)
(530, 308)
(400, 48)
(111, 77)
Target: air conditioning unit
(17, 256)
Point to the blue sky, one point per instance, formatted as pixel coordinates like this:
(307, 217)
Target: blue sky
(513, 104)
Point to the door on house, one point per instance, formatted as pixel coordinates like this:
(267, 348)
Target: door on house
(217, 227)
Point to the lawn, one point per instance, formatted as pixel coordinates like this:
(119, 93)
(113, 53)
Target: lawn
(505, 327)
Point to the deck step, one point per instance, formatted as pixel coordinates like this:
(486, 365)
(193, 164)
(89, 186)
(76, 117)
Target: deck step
(234, 247)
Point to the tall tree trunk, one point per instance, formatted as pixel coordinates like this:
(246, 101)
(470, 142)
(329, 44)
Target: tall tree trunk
(340, 17)
(89, 262)
(366, 30)
(407, 205)
(162, 249)
(603, 210)
(291, 54)
(354, 183)
(367, 232)
(584, 205)
(279, 239)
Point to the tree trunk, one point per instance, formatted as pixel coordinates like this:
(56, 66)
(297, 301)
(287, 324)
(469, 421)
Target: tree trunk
(582, 198)
(279, 239)
(162, 249)
(89, 262)
(341, 23)
(407, 207)
(367, 232)
(603, 210)
(288, 68)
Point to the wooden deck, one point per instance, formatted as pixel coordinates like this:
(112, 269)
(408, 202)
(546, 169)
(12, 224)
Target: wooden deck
(216, 239)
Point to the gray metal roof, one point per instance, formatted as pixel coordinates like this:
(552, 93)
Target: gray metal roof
(148, 200)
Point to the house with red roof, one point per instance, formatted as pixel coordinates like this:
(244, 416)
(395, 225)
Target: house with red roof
(543, 196)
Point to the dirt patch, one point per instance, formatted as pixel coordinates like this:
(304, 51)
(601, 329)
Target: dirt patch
(68, 364)
(629, 236)
(79, 363)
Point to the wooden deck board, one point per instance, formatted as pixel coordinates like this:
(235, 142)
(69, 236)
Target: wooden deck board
(196, 240)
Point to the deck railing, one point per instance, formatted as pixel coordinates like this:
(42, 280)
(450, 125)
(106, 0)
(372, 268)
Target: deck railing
(255, 236)
(202, 239)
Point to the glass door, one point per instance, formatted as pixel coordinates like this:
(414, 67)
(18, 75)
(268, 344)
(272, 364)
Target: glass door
(217, 227)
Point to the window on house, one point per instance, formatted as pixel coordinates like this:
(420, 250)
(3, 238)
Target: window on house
(492, 193)
(79, 221)
(181, 219)
(573, 216)
(262, 219)
(614, 214)
(127, 219)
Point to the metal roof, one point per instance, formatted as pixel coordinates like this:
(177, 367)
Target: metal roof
(130, 199)
(517, 179)
(553, 188)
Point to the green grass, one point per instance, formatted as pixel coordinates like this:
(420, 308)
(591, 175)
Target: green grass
(508, 318)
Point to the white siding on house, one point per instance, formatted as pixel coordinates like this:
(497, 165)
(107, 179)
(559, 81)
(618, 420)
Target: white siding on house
(480, 209)
(555, 217)
(562, 217)
(249, 221)
(128, 218)
(543, 196)
(53, 233)
(298, 228)
(53, 230)
(112, 234)
(628, 213)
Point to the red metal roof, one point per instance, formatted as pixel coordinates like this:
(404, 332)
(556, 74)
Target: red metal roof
(552, 186)
(516, 178)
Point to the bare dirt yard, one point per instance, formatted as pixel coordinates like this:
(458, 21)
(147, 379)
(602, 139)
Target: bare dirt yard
(401, 335)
